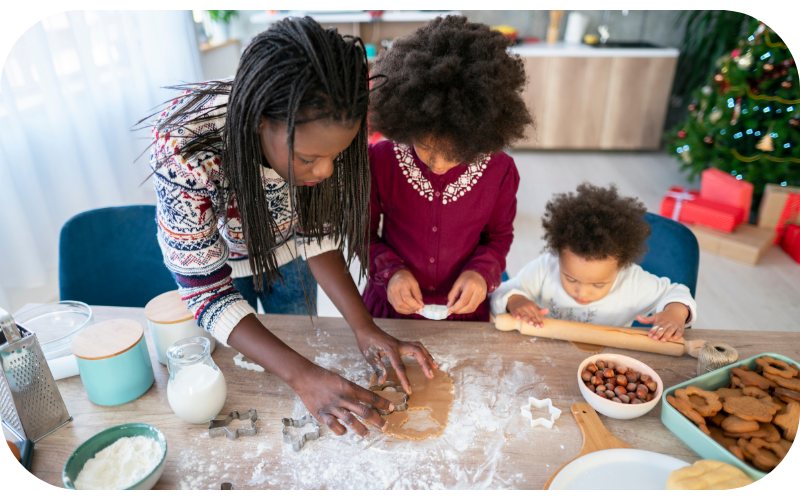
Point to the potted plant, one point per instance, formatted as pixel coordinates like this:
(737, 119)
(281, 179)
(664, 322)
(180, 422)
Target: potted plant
(220, 26)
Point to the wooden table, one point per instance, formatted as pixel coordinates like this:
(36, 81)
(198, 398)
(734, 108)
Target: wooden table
(487, 443)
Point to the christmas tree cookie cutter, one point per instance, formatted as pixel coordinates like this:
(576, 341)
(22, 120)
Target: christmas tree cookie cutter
(246, 363)
(541, 403)
(219, 427)
(297, 444)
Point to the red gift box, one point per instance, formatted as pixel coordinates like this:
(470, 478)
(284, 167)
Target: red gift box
(687, 206)
(791, 241)
(722, 187)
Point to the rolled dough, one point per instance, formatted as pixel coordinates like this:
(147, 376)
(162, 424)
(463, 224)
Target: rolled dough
(434, 394)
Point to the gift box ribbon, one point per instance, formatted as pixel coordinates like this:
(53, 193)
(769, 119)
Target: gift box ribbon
(680, 197)
(789, 212)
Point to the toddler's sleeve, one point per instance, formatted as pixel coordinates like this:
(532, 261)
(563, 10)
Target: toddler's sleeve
(654, 293)
(528, 283)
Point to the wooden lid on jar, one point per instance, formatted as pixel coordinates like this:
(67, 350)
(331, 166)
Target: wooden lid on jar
(167, 308)
(107, 339)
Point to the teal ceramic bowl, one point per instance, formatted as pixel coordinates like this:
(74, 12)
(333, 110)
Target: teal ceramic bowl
(117, 379)
(102, 440)
(690, 434)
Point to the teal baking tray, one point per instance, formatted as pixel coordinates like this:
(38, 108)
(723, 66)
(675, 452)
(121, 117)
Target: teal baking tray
(690, 434)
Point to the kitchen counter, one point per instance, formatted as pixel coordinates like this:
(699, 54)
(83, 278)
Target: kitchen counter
(562, 49)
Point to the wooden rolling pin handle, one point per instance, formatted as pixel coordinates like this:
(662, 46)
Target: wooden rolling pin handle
(692, 347)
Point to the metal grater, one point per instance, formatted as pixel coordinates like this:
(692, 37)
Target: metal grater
(30, 402)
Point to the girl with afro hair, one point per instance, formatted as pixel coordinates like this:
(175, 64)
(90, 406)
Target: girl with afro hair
(446, 193)
(589, 273)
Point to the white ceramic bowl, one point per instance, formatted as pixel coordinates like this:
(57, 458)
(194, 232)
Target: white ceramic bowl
(613, 409)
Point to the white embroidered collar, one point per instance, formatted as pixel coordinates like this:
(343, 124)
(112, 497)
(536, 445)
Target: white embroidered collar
(452, 191)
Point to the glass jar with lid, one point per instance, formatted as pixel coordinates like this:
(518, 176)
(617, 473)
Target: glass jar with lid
(196, 389)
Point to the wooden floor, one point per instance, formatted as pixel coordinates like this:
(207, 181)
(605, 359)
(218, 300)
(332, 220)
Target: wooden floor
(730, 295)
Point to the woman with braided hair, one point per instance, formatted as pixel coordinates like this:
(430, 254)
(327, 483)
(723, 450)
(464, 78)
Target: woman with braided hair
(255, 172)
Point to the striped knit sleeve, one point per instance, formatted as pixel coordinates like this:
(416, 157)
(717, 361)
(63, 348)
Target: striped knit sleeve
(189, 194)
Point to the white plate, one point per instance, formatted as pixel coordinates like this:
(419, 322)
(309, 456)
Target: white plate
(644, 470)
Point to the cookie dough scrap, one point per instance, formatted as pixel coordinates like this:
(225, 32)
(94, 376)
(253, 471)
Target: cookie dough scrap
(434, 394)
(707, 475)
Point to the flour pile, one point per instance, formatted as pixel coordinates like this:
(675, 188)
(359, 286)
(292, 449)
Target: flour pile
(120, 465)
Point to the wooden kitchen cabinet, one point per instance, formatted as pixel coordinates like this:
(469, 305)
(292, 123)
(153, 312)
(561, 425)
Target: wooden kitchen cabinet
(617, 103)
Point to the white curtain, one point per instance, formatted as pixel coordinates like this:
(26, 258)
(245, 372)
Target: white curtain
(72, 89)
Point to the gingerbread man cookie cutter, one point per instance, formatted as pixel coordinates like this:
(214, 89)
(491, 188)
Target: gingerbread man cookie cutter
(541, 403)
(390, 385)
(297, 444)
(219, 427)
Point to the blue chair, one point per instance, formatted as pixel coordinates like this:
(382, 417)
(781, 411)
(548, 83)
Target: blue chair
(673, 252)
(111, 257)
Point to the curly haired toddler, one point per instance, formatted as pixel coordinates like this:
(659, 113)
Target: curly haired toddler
(589, 274)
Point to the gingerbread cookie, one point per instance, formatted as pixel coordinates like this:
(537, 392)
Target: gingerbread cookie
(718, 418)
(710, 404)
(707, 475)
(789, 383)
(786, 395)
(788, 420)
(766, 456)
(725, 392)
(776, 367)
(755, 392)
(686, 409)
(734, 424)
(766, 431)
(785, 444)
(719, 436)
(749, 409)
(752, 379)
(737, 452)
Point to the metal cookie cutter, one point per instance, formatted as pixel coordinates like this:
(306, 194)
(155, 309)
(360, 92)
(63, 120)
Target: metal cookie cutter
(384, 386)
(219, 427)
(536, 403)
(226, 486)
(298, 443)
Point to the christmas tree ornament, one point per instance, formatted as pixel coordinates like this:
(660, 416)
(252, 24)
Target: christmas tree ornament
(706, 90)
(718, 77)
(787, 84)
(745, 62)
(737, 110)
(794, 122)
(765, 144)
(768, 67)
(686, 156)
(708, 139)
(715, 115)
(692, 107)
(681, 134)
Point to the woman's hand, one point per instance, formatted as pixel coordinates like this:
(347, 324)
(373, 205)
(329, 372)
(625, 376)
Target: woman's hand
(403, 293)
(520, 307)
(668, 324)
(374, 344)
(333, 401)
(470, 290)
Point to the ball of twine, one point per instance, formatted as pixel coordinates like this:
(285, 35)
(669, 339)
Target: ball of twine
(714, 355)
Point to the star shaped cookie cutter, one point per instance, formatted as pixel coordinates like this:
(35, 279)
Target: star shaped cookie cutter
(390, 385)
(240, 361)
(219, 427)
(541, 403)
(298, 443)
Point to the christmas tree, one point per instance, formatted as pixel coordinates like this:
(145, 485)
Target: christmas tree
(746, 119)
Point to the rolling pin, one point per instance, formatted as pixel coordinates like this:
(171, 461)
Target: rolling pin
(609, 336)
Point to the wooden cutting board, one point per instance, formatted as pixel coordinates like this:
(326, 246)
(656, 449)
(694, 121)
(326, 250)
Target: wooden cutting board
(595, 435)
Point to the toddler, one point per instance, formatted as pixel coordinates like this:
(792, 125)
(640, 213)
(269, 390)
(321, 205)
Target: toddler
(588, 271)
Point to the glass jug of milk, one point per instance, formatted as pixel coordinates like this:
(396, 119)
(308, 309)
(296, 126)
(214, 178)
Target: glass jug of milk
(196, 389)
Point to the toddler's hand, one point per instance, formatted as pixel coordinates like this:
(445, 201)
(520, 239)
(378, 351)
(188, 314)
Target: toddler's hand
(529, 311)
(403, 293)
(668, 324)
(470, 290)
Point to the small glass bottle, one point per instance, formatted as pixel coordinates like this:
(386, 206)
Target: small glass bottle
(196, 389)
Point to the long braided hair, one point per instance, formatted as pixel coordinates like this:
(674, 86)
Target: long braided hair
(294, 65)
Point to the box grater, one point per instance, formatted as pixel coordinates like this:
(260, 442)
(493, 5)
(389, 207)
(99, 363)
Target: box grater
(30, 402)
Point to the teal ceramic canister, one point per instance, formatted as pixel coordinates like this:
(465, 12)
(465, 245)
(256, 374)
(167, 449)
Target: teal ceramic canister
(113, 361)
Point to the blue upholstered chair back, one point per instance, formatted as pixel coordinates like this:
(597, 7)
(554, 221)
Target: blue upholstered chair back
(110, 257)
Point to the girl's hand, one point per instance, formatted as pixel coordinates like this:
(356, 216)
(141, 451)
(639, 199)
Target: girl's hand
(333, 401)
(520, 307)
(470, 290)
(403, 293)
(668, 324)
(374, 344)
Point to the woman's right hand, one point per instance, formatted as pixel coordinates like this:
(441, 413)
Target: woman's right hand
(334, 400)
(403, 293)
(521, 307)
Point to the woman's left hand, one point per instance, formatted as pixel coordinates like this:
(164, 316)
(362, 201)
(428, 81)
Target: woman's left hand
(668, 324)
(470, 290)
(374, 344)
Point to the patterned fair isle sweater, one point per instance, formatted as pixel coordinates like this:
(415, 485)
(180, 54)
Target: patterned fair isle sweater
(202, 251)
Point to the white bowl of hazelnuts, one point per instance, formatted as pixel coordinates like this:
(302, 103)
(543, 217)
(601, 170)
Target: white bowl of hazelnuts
(618, 386)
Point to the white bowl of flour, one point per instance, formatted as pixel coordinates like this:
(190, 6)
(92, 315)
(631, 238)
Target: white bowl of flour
(125, 457)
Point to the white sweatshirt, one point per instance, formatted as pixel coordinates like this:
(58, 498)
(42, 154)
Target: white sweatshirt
(635, 292)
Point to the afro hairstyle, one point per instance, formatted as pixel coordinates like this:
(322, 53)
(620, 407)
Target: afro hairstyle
(595, 224)
(455, 82)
